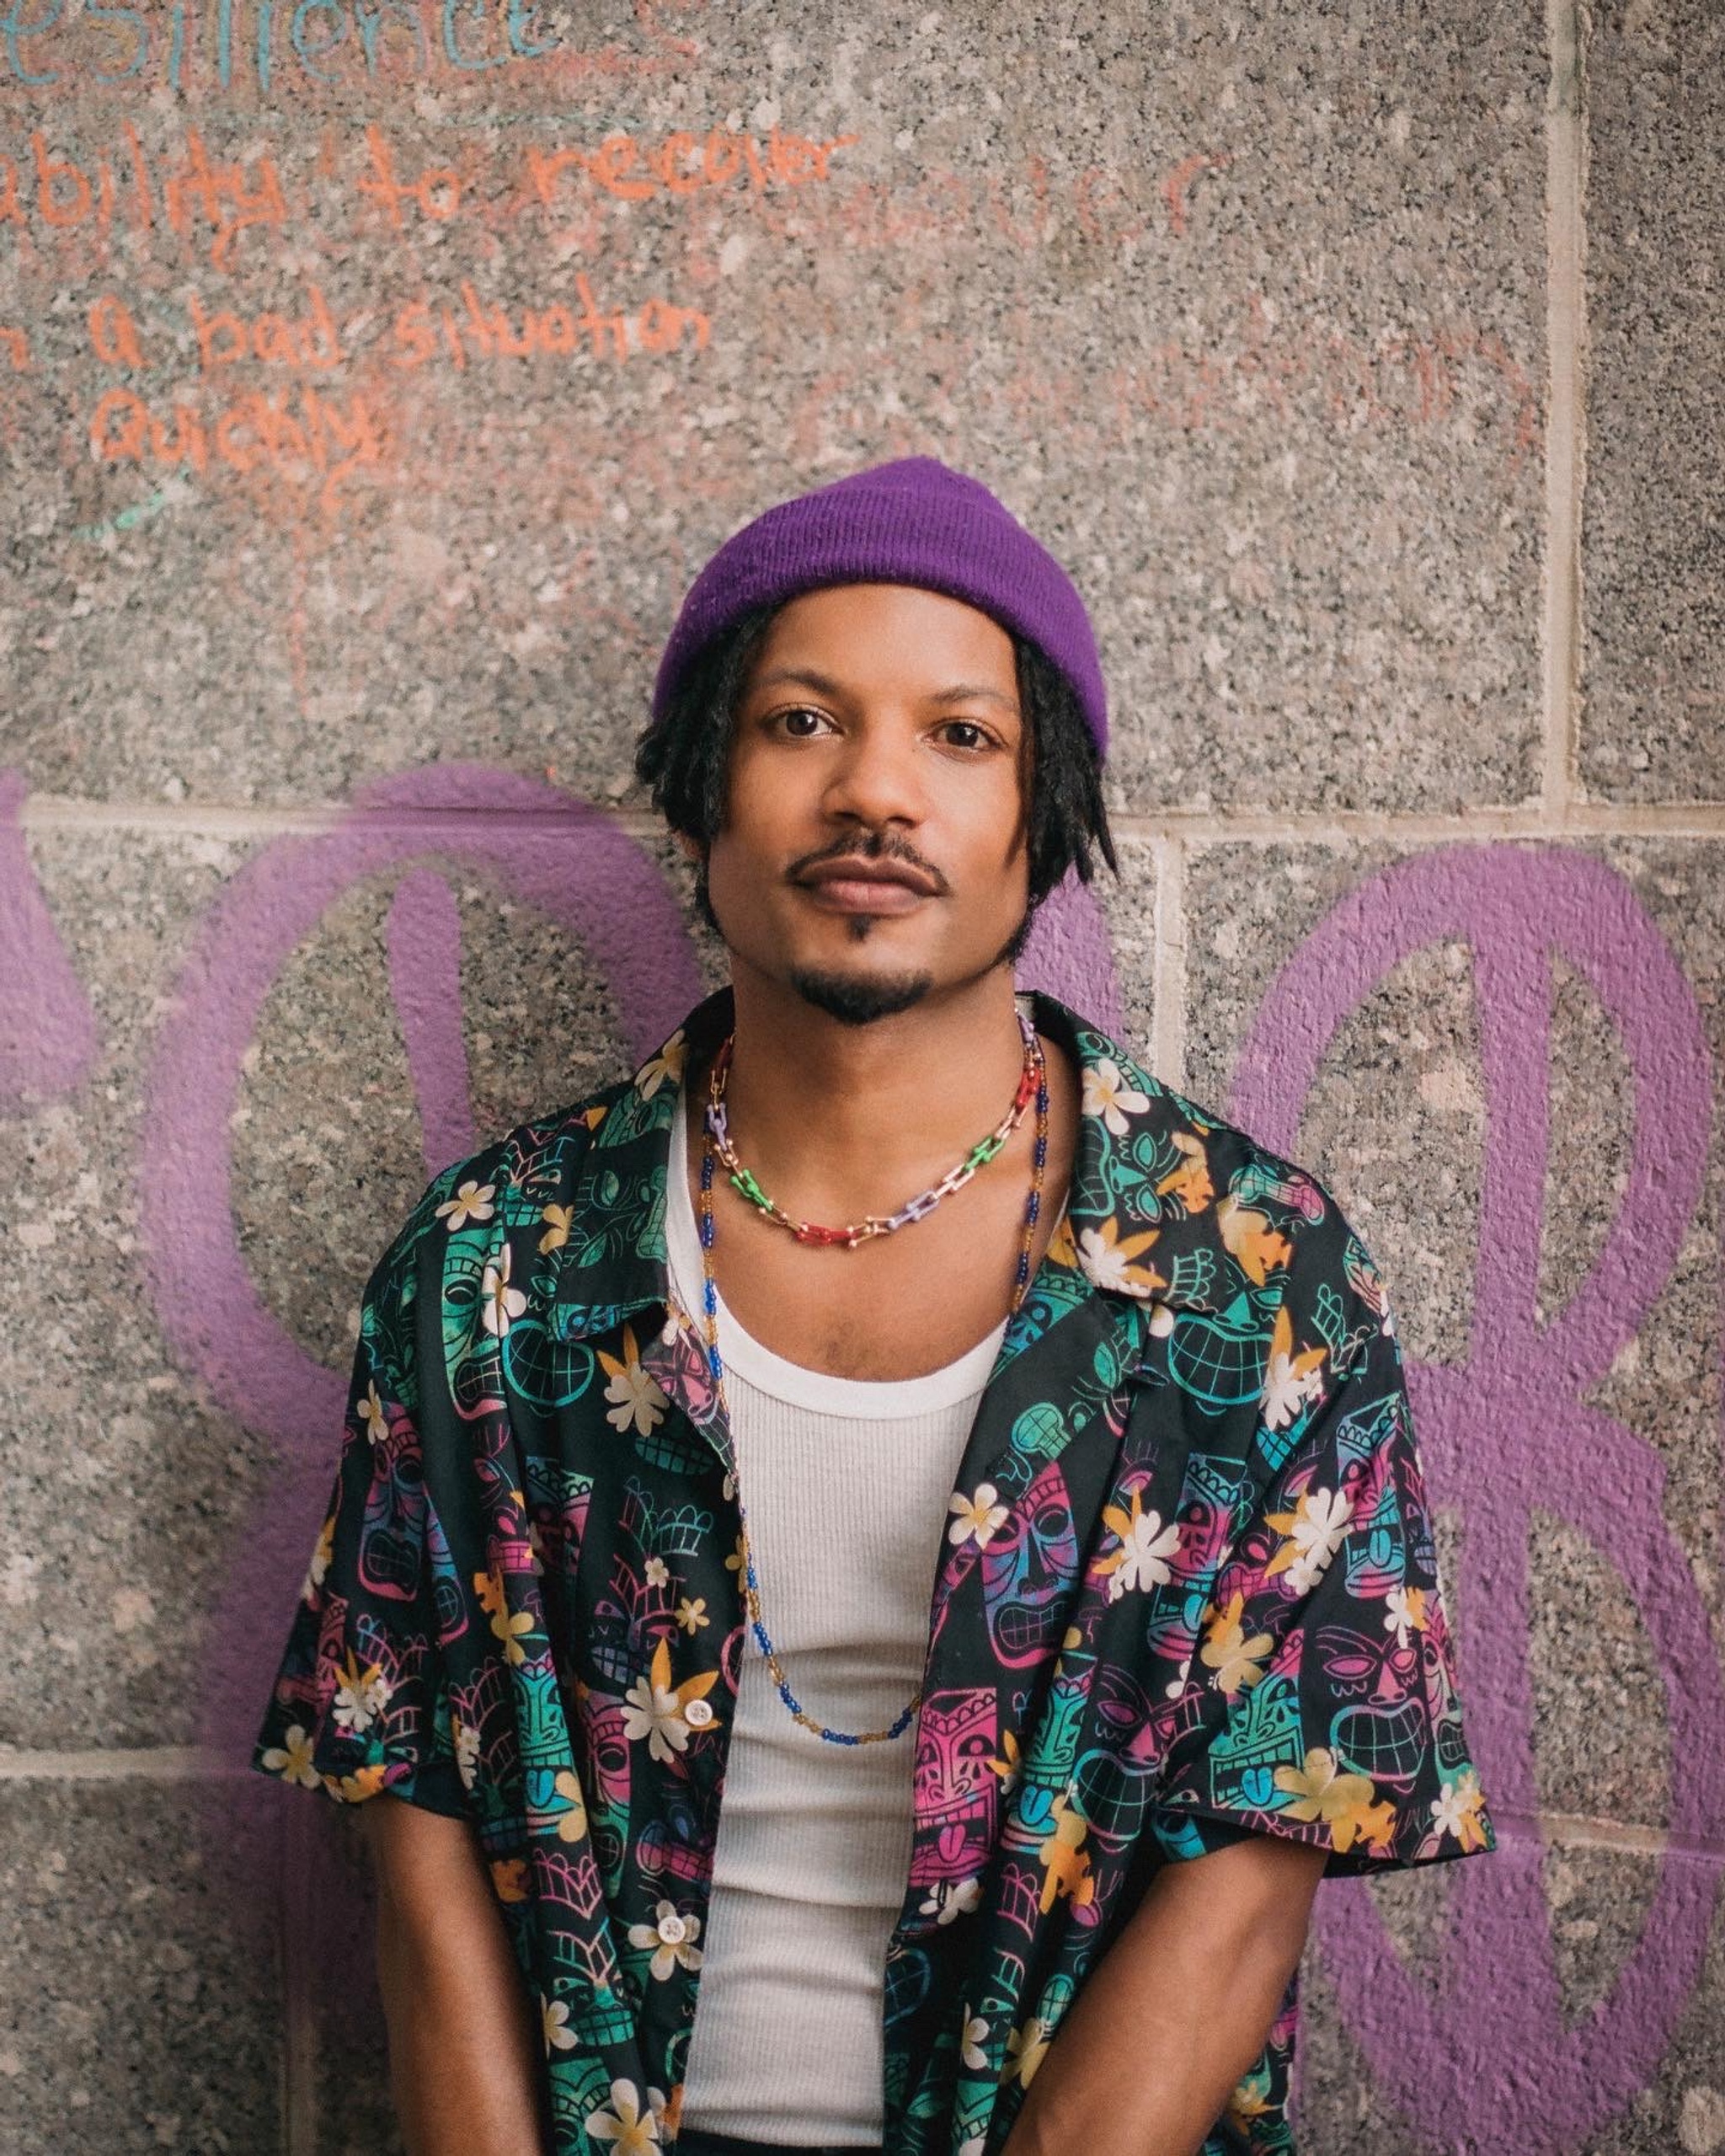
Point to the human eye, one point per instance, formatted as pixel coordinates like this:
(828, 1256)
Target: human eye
(974, 735)
(798, 721)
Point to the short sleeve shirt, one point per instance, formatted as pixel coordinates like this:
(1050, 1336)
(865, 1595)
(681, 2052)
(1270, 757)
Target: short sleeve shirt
(1186, 1592)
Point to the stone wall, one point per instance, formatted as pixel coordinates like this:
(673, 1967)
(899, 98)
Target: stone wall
(374, 374)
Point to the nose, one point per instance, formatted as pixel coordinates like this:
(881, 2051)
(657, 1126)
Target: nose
(874, 779)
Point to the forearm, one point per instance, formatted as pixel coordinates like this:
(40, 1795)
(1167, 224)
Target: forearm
(465, 2044)
(1166, 2024)
(462, 2053)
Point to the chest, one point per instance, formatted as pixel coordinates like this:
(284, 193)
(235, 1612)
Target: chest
(899, 1305)
(893, 1310)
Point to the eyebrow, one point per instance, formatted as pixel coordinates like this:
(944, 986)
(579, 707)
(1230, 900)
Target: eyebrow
(824, 685)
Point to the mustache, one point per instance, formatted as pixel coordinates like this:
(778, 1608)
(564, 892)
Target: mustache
(868, 846)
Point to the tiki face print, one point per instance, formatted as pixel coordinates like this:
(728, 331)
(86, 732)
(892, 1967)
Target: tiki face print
(957, 1788)
(393, 1529)
(1028, 1569)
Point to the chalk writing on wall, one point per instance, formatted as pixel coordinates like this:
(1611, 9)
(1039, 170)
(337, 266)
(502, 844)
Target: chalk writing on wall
(217, 49)
(307, 392)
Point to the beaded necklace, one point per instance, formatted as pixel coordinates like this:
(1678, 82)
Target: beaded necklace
(1037, 1072)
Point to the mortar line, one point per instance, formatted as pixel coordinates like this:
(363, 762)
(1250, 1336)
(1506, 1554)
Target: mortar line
(1570, 1829)
(168, 1762)
(1536, 821)
(1167, 1004)
(299, 2033)
(1566, 320)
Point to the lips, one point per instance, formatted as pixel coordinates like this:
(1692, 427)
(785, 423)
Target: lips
(849, 872)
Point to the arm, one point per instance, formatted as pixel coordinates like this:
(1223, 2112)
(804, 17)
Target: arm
(464, 2039)
(1177, 2008)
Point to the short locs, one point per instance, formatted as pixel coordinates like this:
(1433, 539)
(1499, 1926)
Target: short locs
(682, 757)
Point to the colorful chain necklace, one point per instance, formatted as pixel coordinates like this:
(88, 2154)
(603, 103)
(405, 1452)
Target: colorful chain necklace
(1037, 1071)
(872, 1224)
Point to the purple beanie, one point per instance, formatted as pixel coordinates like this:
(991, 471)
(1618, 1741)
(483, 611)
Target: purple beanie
(914, 522)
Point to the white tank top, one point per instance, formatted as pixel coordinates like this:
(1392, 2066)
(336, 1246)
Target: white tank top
(813, 1845)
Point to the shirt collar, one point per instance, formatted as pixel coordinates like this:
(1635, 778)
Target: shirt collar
(1144, 1219)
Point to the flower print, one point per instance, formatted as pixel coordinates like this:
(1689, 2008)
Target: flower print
(371, 1414)
(466, 1749)
(509, 1626)
(1009, 1766)
(973, 2031)
(572, 1824)
(1343, 1801)
(554, 2019)
(361, 1696)
(1190, 1181)
(558, 1220)
(1248, 1236)
(1457, 1810)
(319, 1565)
(738, 1561)
(693, 1615)
(1109, 1258)
(1290, 1380)
(502, 1304)
(947, 1899)
(658, 1711)
(625, 2124)
(471, 1201)
(1237, 1662)
(1315, 1530)
(672, 1936)
(356, 1788)
(656, 1571)
(1404, 1610)
(666, 1065)
(293, 1758)
(509, 1879)
(1251, 2099)
(1062, 1249)
(1065, 1861)
(1026, 2050)
(640, 1405)
(1146, 1545)
(1107, 1095)
(978, 1518)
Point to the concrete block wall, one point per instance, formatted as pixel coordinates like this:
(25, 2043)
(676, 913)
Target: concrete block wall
(372, 377)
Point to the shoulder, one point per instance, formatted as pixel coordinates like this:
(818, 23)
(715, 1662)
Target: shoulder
(1250, 1221)
(509, 1182)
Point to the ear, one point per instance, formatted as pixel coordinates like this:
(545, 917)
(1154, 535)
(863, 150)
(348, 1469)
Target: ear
(692, 849)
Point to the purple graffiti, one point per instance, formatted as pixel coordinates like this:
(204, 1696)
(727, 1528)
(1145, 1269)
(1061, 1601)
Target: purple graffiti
(48, 1036)
(1490, 2045)
(570, 861)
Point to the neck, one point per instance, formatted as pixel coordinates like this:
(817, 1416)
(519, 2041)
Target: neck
(847, 1120)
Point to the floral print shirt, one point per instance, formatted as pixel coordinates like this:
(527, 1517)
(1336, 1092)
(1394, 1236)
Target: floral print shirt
(1186, 1591)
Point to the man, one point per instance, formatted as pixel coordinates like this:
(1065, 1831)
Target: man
(893, 1411)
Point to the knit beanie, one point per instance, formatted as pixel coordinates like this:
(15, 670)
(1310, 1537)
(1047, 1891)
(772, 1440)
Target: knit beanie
(913, 522)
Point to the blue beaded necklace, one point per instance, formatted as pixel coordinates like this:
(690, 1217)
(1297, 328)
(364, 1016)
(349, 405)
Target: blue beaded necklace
(715, 1130)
